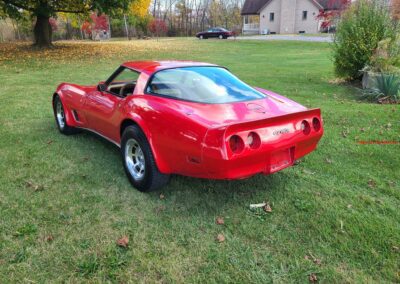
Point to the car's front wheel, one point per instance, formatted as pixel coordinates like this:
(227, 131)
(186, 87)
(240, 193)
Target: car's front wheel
(201, 37)
(221, 36)
(138, 161)
(61, 120)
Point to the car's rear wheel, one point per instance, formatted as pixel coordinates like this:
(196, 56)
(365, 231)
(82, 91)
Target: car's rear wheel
(138, 161)
(61, 120)
(201, 37)
(221, 36)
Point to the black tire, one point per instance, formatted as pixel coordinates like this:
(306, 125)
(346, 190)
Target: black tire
(151, 179)
(61, 121)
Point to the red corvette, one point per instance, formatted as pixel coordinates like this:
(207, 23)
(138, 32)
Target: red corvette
(189, 118)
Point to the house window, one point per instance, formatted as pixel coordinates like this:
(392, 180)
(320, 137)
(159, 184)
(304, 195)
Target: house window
(271, 17)
(304, 15)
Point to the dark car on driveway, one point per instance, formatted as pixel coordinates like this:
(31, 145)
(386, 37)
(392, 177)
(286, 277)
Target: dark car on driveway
(220, 33)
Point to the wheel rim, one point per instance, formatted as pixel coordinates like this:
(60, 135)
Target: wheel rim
(220, 36)
(60, 114)
(134, 159)
(201, 37)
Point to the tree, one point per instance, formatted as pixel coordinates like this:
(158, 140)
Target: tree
(43, 10)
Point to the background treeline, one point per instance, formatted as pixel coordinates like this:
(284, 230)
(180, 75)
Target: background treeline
(143, 18)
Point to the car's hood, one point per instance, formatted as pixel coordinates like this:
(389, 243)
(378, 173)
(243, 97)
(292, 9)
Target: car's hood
(216, 115)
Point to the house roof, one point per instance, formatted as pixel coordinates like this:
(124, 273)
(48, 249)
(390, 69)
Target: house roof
(253, 7)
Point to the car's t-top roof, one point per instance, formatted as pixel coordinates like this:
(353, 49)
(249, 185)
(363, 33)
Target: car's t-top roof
(150, 67)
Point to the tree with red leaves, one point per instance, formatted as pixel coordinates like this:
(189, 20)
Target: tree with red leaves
(157, 27)
(98, 24)
(333, 12)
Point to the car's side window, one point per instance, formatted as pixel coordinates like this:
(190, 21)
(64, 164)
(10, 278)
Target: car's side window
(124, 83)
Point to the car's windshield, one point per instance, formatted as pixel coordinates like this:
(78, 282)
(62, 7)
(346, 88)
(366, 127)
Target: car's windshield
(207, 84)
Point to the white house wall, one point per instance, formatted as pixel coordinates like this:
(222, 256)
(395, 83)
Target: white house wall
(272, 7)
(310, 25)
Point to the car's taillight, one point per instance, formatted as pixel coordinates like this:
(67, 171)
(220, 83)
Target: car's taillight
(253, 140)
(316, 124)
(236, 144)
(305, 127)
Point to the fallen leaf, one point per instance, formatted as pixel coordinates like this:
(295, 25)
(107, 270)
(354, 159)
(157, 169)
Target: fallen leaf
(317, 261)
(362, 129)
(328, 161)
(220, 221)
(162, 196)
(220, 238)
(396, 248)
(371, 183)
(267, 208)
(313, 278)
(306, 257)
(49, 238)
(344, 134)
(349, 206)
(123, 242)
(49, 142)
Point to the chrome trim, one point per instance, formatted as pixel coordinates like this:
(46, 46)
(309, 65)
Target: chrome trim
(101, 135)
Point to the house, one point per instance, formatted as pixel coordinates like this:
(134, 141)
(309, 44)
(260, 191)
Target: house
(284, 16)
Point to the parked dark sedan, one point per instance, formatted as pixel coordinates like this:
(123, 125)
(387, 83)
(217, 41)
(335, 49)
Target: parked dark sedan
(220, 33)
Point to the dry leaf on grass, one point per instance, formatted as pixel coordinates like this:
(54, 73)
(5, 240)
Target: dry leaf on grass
(267, 208)
(35, 187)
(220, 221)
(123, 242)
(220, 238)
(162, 196)
(313, 278)
(49, 238)
(371, 183)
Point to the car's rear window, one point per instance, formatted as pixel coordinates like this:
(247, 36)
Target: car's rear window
(206, 84)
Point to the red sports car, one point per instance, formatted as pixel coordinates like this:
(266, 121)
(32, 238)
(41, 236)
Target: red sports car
(189, 118)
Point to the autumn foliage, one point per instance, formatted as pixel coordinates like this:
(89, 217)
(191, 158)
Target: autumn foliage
(157, 27)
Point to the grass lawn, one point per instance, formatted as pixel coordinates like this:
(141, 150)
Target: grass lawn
(64, 201)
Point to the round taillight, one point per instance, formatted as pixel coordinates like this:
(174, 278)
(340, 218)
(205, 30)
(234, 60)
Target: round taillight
(305, 127)
(253, 140)
(316, 124)
(236, 144)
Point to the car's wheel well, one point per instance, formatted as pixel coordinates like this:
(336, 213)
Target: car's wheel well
(54, 97)
(125, 124)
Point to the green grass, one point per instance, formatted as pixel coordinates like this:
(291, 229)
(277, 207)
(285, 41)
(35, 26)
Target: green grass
(64, 201)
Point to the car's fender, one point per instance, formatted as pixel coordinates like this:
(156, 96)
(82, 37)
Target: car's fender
(67, 111)
(133, 118)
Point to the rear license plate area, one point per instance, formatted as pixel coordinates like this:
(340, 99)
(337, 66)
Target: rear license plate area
(281, 159)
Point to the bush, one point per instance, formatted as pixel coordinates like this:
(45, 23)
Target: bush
(361, 28)
(386, 58)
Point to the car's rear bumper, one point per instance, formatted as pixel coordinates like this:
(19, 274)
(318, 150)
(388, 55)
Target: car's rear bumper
(277, 150)
(265, 162)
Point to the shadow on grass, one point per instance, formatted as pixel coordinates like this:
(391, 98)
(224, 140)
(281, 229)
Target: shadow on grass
(188, 192)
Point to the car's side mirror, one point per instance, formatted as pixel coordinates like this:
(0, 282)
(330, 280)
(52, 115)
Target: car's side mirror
(102, 87)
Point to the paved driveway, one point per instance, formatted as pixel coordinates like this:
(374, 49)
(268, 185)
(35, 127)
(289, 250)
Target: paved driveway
(326, 38)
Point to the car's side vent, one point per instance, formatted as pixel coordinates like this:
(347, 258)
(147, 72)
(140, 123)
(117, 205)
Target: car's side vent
(75, 115)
